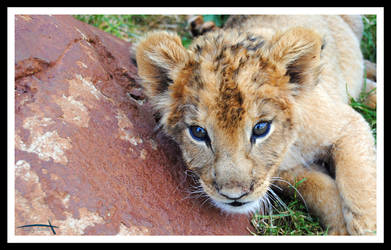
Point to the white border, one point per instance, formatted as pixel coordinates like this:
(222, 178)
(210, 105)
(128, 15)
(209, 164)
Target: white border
(194, 10)
(11, 237)
(10, 125)
(195, 239)
(380, 120)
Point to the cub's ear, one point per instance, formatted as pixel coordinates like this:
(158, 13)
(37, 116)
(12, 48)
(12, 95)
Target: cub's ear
(158, 57)
(298, 50)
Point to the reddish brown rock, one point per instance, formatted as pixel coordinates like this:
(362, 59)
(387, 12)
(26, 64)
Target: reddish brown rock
(86, 156)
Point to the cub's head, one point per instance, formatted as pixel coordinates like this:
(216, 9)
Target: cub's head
(230, 103)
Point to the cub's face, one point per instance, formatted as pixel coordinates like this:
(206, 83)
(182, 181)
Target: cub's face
(229, 102)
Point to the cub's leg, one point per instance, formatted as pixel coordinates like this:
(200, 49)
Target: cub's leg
(355, 174)
(371, 99)
(320, 195)
(370, 69)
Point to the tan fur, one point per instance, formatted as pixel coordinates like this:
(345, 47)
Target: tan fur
(292, 71)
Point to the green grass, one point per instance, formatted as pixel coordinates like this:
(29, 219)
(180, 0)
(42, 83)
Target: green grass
(219, 20)
(368, 48)
(367, 112)
(291, 219)
(132, 27)
(294, 219)
(368, 42)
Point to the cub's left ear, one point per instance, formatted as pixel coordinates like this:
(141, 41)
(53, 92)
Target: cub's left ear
(297, 50)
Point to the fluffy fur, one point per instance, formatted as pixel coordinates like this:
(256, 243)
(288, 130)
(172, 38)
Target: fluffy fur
(292, 71)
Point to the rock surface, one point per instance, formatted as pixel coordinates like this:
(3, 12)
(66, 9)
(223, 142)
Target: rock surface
(87, 158)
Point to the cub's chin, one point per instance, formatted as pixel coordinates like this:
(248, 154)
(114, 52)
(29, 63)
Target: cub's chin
(238, 207)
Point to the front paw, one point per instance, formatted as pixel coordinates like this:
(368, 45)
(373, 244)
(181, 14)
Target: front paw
(359, 223)
(338, 230)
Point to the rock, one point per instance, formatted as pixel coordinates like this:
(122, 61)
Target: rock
(87, 158)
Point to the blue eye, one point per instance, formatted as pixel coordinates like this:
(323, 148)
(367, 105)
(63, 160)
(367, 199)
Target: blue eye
(198, 133)
(260, 129)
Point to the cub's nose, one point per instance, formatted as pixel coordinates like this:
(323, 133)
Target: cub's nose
(234, 192)
(233, 195)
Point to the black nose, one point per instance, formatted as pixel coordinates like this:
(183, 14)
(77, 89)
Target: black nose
(233, 195)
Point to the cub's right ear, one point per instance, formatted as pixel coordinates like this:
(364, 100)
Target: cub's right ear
(159, 57)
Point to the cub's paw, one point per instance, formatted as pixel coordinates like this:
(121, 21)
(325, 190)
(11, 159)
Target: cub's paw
(359, 224)
(338, 230)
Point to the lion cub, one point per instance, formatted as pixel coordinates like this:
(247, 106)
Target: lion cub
(258, 103)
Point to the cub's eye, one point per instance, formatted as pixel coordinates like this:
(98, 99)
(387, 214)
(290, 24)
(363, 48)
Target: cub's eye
(198, 133)
(261, 129)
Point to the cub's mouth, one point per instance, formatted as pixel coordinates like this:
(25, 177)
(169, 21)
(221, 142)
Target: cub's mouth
(238, 206)
(247, 203)
(236, 203)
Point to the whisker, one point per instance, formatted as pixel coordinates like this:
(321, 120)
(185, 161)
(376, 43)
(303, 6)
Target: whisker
(277, 199)
(274, 201)
(206, 201)
(297, 191)
(262, 205)
(269, 206)
(276, 186)
(196, 190)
